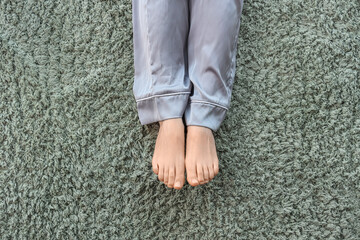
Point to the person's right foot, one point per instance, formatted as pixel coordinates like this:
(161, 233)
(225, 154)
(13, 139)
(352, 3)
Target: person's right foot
(168, 161)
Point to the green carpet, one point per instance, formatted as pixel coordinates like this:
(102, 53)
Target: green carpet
(75, 162)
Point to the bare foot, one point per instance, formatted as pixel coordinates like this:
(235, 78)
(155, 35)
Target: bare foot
(201, 159)
(168, 160)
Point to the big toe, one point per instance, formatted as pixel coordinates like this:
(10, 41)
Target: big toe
(191, 176)
(179, 182)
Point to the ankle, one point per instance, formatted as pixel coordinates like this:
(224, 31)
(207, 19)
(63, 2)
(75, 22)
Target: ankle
(172, 122)
(198, 129)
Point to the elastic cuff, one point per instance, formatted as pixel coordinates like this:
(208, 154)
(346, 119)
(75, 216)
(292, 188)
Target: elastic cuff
(161, 107)
(204, 114)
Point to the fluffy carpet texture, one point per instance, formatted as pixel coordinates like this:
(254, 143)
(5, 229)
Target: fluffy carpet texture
(75, 162)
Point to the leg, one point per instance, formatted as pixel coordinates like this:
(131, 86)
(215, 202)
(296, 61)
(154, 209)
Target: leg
(161, 84)
(212, 45)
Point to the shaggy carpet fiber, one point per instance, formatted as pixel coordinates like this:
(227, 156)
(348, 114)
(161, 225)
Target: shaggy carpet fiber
(75, 162)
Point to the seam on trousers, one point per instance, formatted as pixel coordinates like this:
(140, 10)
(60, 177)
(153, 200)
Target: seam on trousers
(230, 68)
(217, 105)
(148, 47)
(161, 95)
(234, 51)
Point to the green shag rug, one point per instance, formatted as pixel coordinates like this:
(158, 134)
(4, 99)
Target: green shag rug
(75, 162)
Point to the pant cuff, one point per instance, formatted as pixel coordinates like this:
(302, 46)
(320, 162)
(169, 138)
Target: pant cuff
(204, 114)
(161, 107)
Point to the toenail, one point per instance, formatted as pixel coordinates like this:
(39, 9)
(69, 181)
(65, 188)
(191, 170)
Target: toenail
(195, 181)
(177, 184)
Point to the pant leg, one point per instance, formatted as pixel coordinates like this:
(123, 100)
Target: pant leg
(212, 47)
(161, 81)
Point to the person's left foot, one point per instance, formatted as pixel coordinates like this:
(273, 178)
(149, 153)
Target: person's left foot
(201, 161)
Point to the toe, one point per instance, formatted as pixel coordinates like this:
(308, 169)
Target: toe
(211, 172)
(191, 175)
(206, 173)
(194, 182)
(216, 168)
(161, 173)
(179, 182)
(155, 168)
(200, 173)
(179, 178)
(171, 177)
(166, 175)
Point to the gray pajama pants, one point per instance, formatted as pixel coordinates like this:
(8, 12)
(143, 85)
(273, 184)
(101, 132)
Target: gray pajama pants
(184, 59)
